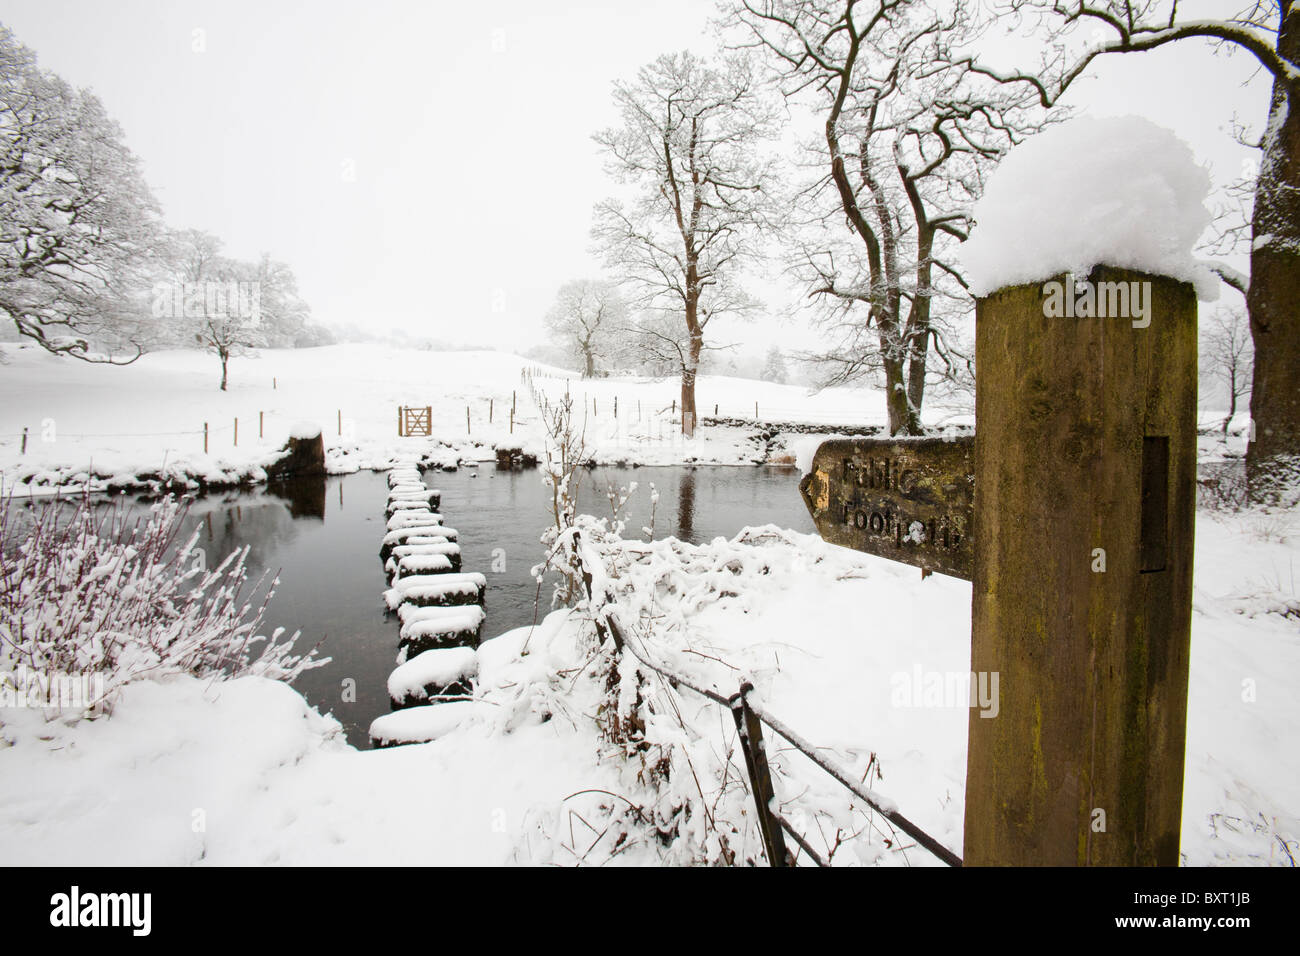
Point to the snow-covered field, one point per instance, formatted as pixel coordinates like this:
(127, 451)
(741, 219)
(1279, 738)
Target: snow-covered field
(148, 418)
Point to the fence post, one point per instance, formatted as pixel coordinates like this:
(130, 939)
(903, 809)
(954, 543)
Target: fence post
(260, 431)
(24, 451)
(236, 432)
(750, 730)
(399, 422)
(512, 421)
(1085, 487)
(205, 438)
(468, 429)
(491, 402)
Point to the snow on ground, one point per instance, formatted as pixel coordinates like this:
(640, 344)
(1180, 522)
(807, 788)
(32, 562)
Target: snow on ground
(244, 772)
(838, 645)
(149, 417)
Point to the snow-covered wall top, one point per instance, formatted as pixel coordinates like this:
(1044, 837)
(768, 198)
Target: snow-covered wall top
(1118, 191)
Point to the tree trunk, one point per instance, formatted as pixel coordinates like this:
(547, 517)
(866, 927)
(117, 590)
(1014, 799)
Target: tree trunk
(1273, 455)
(896, 397)
(695, 343)
(688, 384)
(590, 371)
(224, 361)
(1232, 401)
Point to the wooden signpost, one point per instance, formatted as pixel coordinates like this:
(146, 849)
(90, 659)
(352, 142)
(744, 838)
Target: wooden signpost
(1072, 512)
(911, 500)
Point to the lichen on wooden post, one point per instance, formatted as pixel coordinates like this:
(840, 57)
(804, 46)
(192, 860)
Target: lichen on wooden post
(1085, 465)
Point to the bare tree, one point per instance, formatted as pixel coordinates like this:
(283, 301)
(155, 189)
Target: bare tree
(79, 229)
(1268, 31)
(1227, 357)
(774, 368)
(909, 134)
(215, 302)
(284, 316)
(689, 146)
(586, 320)
(662, 345)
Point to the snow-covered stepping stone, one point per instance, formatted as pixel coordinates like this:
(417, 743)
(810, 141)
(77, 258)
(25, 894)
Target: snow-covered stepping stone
(438, 673)
(407, 504)
(430, 496)
(427, 628)
(421, 534)
(408, 519)
(410, 614)
(448, 548)
(437, 590)
(421, 564)
(418, 725)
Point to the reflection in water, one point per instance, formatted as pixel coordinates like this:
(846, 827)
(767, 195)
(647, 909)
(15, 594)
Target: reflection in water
(306, 495)
(686, 505)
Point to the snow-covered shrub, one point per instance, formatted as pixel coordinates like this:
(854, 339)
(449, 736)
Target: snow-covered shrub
(681, 793)
(683, 790)
(566, 456)
(94, 593)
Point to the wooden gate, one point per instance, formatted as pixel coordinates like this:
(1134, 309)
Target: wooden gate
(413, 422)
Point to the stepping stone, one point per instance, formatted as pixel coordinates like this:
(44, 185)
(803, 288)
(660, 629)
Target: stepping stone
(448, 548)
(437, 590)
(417, 725)
(437, 673)
(403, 505)
(429, 628)
(423, 534)
(408, 519)
(420, 564)
(430, 496)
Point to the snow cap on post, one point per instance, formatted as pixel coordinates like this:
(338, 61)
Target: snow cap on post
(1119, 191)
(304, 429)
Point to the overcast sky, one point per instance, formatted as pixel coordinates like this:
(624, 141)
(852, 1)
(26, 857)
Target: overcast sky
(429, 165)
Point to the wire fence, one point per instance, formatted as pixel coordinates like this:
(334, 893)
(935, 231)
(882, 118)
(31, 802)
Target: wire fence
(609, 402)
(750, 717)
